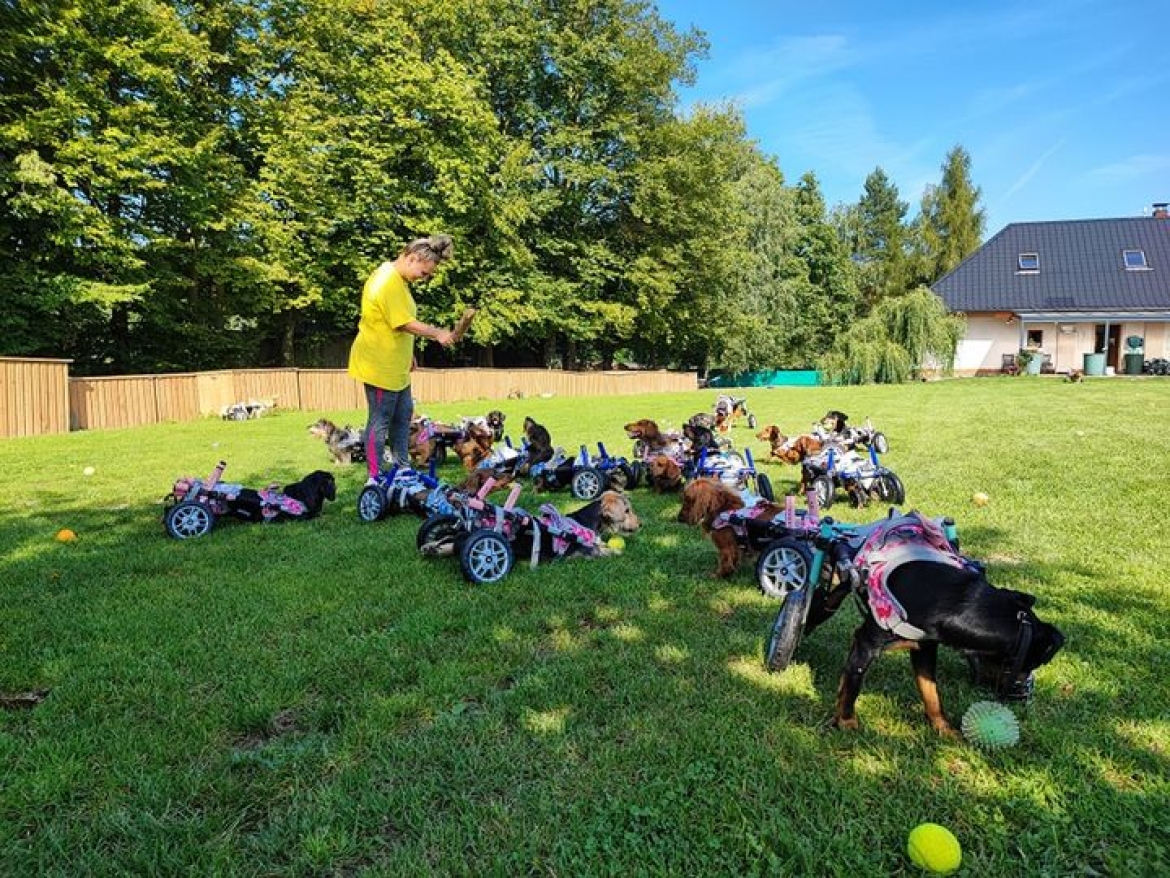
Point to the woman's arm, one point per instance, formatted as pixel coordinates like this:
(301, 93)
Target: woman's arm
(443, 336)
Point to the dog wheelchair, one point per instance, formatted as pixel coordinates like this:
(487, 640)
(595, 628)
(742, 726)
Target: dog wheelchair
(729, 409)
(487, 537)
(861, 477)
(864, 437)
(194, 505)
(402, 489)
(811, 569)
(587, 476)
(733, 469)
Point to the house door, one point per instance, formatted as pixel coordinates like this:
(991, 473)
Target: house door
(1112, 346)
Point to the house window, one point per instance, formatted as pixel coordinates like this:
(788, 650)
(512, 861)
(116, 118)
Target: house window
(1029, 262)
(1036, 338)
(1135, 260)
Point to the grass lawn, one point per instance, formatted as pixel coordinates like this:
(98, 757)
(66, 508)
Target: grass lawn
(316, 699)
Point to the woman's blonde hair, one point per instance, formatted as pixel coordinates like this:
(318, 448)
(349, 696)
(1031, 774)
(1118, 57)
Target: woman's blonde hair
(436, 248)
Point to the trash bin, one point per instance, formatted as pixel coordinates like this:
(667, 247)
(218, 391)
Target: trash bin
(1095, 364)
(1133, 363)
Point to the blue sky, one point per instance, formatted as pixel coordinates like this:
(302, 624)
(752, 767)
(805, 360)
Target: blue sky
(1064, 105)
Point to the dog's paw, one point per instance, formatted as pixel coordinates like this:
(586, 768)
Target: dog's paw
(848, 724)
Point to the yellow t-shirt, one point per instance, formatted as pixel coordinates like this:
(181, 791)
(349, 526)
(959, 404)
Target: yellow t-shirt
(382, 353)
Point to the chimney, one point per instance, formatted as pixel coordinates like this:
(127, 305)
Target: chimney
(1161, 210)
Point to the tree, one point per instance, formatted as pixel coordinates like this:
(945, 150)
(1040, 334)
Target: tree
(950, 222)
(828, 302)
(903, 335)
(880, 239)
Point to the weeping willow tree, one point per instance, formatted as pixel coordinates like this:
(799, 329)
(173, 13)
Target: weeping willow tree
(901, 336)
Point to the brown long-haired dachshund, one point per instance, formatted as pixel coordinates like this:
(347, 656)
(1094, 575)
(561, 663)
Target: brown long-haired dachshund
(790, 449)
(703, 501)
(475, 448)
(664, 474)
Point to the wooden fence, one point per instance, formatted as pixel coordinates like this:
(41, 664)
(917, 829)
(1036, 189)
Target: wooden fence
(34, 396)
(39, 397)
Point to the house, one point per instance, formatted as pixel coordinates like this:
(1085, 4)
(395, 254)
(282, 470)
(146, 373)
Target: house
(1065, 289)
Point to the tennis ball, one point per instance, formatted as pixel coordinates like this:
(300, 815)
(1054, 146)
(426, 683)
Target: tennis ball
(88, 471)
(616, 543)
(991, 724)
(65, 535)
(934, 848)
(980, 499)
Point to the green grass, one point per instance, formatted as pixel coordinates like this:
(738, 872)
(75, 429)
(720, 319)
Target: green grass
(316, 699)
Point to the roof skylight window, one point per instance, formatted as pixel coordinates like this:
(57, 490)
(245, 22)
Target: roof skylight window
(1029, 262)
(1135, 260)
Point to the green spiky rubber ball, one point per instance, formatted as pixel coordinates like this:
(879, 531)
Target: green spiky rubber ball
(991, 725)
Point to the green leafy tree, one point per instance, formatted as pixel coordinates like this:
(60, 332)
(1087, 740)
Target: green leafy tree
(828, 302)
(902, 336)
(950, 222)
(878, 238)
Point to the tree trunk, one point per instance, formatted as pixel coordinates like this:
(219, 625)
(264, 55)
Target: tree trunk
(288, 352)
(571, 355)
(486, 357)
(550, 351)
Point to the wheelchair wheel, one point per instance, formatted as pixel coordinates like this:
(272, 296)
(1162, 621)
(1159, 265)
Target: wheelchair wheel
(188, 519)
(889, 489)
(372, 503)
(486, 557)
(880, 445)
(764, 487)
(439, 455)
(752, 421)
(439, 534)
(823, 486)
(786, 630)
(587, 484)
(637, 473)
(783, 567)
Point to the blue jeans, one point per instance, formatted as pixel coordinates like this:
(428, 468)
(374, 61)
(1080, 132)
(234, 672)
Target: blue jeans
(390, 412)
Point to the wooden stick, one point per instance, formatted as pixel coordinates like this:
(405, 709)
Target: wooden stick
(462, 326)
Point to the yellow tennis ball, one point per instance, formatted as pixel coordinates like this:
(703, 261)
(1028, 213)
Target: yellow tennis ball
(616, 543)
(980, 499)
(88, 471)
(65, 535)
(934, 848)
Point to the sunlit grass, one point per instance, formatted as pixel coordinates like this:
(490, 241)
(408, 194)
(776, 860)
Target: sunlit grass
(317, 699)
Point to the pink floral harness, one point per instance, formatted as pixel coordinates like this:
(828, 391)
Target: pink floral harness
(564, 530)
(889, 545)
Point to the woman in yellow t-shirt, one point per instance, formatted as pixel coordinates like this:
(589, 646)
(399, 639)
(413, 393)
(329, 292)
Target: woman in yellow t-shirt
(383, 352)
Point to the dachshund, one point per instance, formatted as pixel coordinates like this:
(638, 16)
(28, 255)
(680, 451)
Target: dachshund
(953, 606)
(313, 490)
(479, 477)
(790, 449)
(704, 500)
(647, 432)
(344, 443)
(495, 420)
(420, 449)
(611, 513)
(664, 474)
(540, 449)
(699, 438)
(835, 421)
(475, 447)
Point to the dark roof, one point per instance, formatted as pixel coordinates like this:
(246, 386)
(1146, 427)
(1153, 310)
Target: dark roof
(1081, 268)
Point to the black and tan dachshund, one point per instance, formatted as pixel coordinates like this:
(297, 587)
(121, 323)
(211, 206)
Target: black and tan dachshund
(539, 441)
(959, 608)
